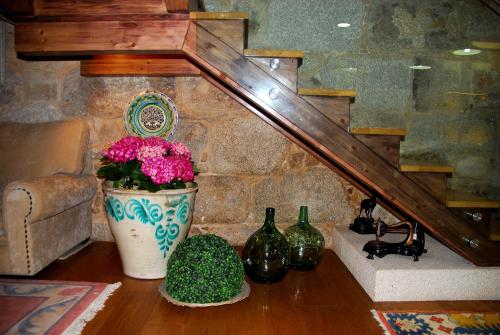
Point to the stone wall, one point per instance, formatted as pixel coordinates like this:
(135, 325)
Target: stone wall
(245, 164)
(373, 56)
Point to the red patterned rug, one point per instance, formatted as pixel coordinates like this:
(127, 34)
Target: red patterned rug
(50, 307)
(438, 323)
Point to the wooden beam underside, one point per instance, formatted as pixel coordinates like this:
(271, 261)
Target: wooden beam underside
(132, 65)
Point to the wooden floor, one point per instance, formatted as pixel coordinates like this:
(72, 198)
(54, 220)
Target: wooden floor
(326, 300)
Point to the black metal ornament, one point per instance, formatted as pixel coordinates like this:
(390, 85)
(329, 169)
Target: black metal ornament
(413, 244)
(365, 224)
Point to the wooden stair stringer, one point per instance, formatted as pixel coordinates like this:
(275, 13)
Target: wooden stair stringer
(299, 117)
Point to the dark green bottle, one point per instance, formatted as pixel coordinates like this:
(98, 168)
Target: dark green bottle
(307, 245)
(266, 255)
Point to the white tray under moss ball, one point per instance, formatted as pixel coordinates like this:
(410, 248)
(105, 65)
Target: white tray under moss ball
(245, 292)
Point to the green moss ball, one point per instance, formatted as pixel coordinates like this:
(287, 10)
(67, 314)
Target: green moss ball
(204, 269)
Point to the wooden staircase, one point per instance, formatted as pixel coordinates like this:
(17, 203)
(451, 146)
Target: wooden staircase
(265, 81)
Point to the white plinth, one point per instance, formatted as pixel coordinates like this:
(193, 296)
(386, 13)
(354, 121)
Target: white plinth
(440, 274)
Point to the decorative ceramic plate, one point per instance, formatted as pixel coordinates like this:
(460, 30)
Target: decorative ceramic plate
(151, 114)
(245, 292)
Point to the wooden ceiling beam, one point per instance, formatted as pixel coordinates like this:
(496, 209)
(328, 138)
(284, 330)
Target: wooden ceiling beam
(92, 7)
(62, 38)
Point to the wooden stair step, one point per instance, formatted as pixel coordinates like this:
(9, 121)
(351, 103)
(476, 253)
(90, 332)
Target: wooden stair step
(327, 92)
(281, 64)
(425, 167)
(337, 109)
(467, 205)
(273, 53)
(495, 229)
(384, 141)
(456, 199)
(431, 177)
(229, 27)
(333, 103)
(219, 16)
(401, 132)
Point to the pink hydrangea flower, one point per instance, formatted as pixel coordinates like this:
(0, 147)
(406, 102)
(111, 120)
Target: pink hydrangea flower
(162, 161)
(180, 149)
(148, 151)
(163, 170)
(184, 168)
(157, 141)
(124, 150)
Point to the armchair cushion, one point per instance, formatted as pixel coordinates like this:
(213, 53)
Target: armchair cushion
(44, 197)
(31, 150)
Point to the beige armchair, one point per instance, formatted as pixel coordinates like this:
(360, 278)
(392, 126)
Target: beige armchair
(46, 191)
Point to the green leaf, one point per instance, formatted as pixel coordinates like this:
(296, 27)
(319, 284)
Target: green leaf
(109, 172)
(195, 169)
(152, 187)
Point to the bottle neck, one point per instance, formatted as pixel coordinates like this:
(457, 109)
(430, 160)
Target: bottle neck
(303, 216)
(269, 222)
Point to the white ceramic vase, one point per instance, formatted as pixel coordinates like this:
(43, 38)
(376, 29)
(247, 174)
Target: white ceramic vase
(148, 226)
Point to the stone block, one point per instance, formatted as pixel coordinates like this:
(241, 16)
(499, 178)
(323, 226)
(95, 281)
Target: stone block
(104, 131)
(478, 22)
(41, 91)
(11, 91)
(110, 96)
(39, 111)
(198, 99)
(309, 72)
(194, 135)
(76, 93)
(396, 24)
(319, 189)
(222, 199)
(101, 232)
(312, 25)
(383, 84)
(238, 233)
(472, 166)
(245, 145)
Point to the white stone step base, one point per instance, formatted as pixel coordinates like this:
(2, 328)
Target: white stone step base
(440, 274)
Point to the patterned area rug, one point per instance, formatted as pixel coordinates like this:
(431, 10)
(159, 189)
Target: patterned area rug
(437, 323)
(50, 307)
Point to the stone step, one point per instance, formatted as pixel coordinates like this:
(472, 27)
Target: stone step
(440, 274)
(431, 177)
(281, 64)
(384, 141)
(230, 27)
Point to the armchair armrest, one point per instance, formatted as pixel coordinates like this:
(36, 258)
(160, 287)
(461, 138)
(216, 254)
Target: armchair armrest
(44, 197)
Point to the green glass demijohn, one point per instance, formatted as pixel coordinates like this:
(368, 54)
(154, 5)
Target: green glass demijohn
(307, 245)
(266, 255)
